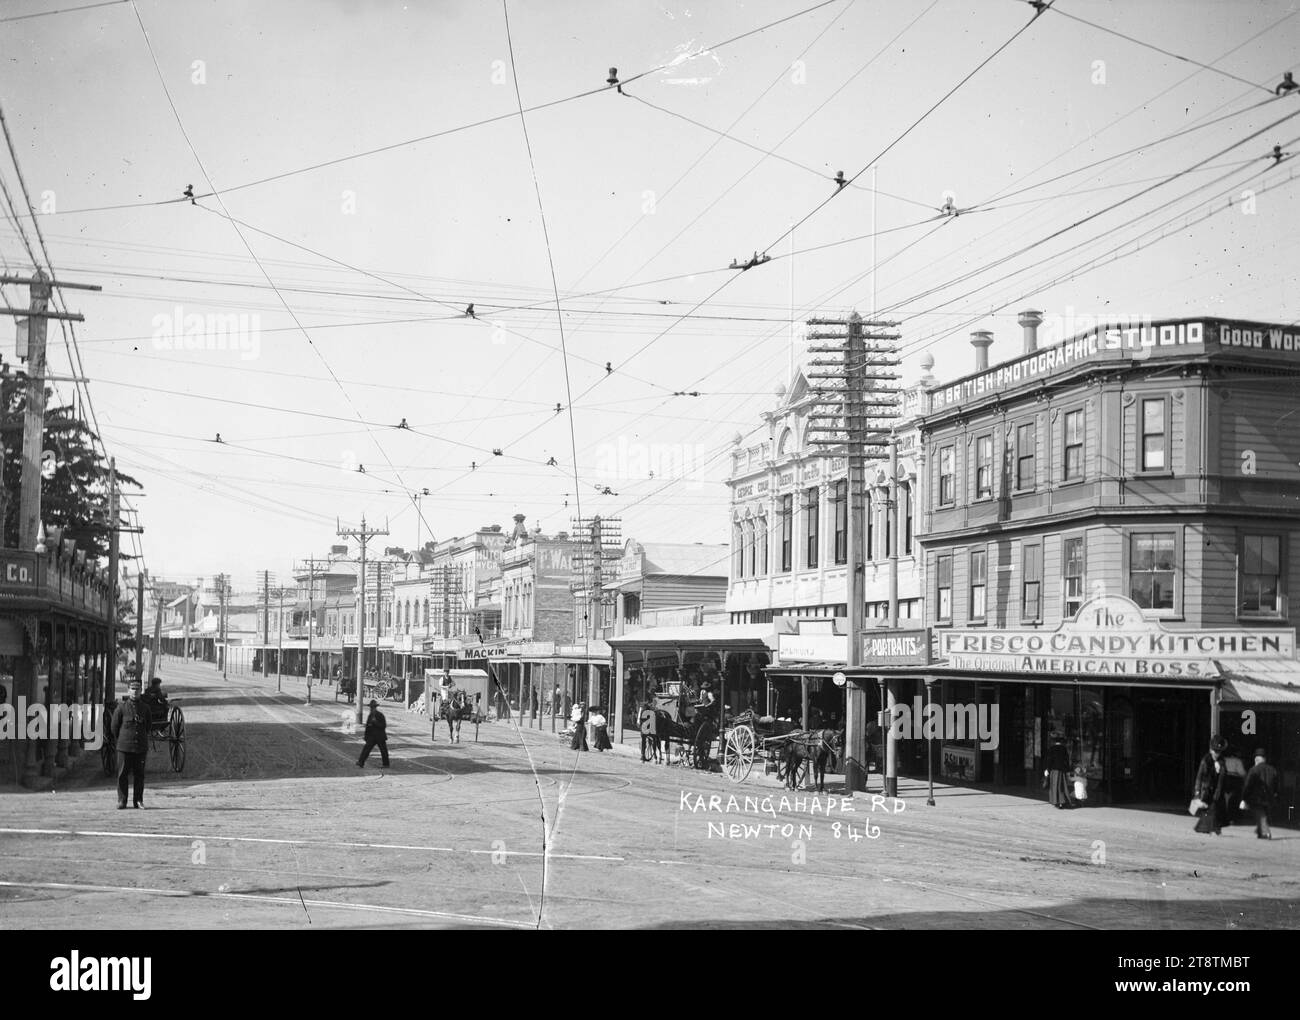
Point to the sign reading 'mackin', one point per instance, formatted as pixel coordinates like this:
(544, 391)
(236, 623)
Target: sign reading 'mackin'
(1109, 636)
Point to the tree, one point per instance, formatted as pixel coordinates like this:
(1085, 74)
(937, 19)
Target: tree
(74, 495)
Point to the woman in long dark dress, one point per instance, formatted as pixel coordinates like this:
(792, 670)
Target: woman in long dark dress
(600, 728)
(1211, 782)
(579, 718)
(1058, 768)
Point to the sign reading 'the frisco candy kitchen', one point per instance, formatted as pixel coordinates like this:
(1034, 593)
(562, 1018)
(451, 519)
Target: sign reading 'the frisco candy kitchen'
(1109, 636)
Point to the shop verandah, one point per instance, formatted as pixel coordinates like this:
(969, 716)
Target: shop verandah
(1133, 742)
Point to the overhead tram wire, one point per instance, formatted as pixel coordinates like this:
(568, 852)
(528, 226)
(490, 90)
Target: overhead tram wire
(65, 10)
(1092, 216)
(785, 138)
(911, 127)
(483, 122)
(1110, 231)
(1096, 261)
(253, 255)
(1152, 46)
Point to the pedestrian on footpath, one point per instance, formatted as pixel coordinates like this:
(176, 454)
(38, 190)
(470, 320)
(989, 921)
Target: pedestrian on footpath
(650, 733)
(1260, 793)
(376, 734)
(130, 728)
(600, 728)
(579, 720)
(1058, 768)
(1211, 779)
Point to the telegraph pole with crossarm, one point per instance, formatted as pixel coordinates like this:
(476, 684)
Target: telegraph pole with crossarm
(362, 534)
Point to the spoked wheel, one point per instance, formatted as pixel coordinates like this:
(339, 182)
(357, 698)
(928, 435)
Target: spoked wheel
(108, 755)
(738, 753)
(176, 738)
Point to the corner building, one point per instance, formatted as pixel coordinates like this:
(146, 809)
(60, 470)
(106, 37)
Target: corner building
(1111, 535)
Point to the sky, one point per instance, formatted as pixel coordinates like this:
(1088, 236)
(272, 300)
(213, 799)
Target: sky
(317, 300)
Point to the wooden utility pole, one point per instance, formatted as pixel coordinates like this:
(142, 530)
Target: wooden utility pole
(311, 617)
(266, 618)
(139, 620)
(856, 400)
(114, 546)
(30, 346)
(363, 534)
(157, 637)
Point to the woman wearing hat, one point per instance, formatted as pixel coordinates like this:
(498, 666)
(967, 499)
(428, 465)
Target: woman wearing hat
(1211, 779)
(1058, 767)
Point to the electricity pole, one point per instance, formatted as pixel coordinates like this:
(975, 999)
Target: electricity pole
(30, 345)
(311, 617)
(363, 534)
(855, 401)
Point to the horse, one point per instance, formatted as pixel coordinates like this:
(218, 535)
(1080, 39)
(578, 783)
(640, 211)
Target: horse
(695, 729)
(454, 709)
(816, 746)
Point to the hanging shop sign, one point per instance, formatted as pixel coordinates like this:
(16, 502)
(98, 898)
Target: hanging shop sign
(812, 647)
(896, 647)
(1109, 636)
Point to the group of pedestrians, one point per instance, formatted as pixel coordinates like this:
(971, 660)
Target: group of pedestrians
(580, 717)
(1259, 792)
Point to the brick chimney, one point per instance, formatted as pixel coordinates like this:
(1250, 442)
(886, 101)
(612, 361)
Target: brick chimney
(981, 341)
(1030, 320)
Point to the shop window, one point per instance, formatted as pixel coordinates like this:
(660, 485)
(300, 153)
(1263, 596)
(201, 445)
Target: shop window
(1026, 449)
(905, 494)
(979, 564)
(787, 534)
(812, 512)
(841, 521)
(943, 584)
(1259, 575)
(984, 467)
(1155, 434)
(1073, 436)
(1031, 583)
(1072, 574)
(1153, 568)
(947, 477)
(869, 550)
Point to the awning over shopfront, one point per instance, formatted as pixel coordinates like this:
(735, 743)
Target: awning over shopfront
(1275, 683)
(731, 636)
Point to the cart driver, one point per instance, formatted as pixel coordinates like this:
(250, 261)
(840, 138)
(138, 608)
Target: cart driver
(154, 698)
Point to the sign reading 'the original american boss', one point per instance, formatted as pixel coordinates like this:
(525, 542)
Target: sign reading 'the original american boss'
(1110, 636)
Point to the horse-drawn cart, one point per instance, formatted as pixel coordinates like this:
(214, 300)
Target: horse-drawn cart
(788, 752)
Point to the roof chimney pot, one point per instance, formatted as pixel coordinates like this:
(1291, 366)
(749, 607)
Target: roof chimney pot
(981, 341)
(1030, 320)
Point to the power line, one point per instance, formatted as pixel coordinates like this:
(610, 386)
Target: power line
(1153, 46)
(65, 10)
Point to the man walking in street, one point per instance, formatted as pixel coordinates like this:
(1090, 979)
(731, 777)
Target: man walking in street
(130, 730)
(376, 734)
(1260, 793)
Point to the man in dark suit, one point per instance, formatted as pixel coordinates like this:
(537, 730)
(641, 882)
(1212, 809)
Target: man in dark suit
(1260, 793)
(131, 738)
(376, 734)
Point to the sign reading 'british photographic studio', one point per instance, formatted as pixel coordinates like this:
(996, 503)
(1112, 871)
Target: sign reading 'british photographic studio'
(1110, 636)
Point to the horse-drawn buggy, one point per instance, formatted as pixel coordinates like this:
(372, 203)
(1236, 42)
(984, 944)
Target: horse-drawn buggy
(691, 725)
(788, 752)
(166, 726)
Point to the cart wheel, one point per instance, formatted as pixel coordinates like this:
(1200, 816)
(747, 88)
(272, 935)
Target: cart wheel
(108, 755)
(738, 753)
(176, 738)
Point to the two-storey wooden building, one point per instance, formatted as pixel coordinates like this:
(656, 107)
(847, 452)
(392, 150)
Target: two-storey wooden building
(1111, 534)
